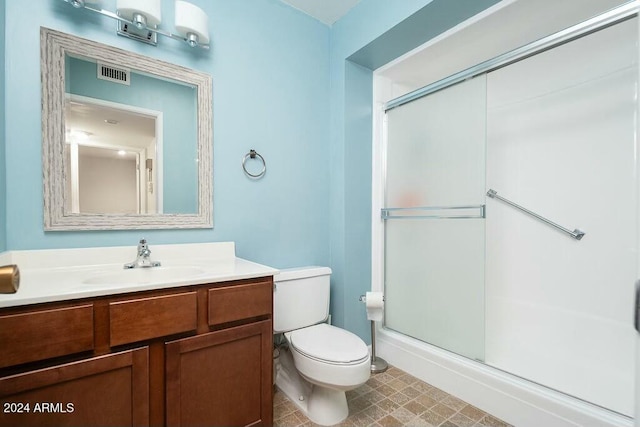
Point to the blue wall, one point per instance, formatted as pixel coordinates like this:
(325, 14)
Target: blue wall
(298, 92)
(270, 68)
(370, 35)
(178, 104)
(3, 196)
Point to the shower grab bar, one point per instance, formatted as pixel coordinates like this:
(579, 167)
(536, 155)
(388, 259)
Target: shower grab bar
(432, 212)
(576, 234)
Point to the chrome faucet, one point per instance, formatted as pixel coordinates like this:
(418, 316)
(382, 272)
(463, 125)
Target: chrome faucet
(143, 260)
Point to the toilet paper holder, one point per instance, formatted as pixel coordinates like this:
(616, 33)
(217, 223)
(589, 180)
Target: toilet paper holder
(378, 365)
(363, 298)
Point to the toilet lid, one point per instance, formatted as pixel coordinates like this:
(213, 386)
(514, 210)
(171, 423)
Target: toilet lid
(326, 342)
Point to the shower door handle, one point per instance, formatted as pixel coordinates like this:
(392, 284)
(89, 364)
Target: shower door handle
(636, 317)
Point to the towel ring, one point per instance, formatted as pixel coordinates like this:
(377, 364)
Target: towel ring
(252, 154)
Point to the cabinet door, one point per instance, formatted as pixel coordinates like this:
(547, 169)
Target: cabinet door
(111, 390)
(222, 378)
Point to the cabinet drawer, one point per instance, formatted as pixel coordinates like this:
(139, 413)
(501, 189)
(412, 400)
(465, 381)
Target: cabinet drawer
(39, 335)
(230, 303)
(152, 317)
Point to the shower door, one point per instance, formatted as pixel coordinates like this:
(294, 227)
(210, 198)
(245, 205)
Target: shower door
(434, 226)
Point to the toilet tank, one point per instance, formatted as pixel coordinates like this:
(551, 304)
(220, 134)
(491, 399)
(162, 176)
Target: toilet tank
(300, 298)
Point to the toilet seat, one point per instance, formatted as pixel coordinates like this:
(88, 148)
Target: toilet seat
(329, 344)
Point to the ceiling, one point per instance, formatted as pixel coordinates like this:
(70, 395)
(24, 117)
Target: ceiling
(325, 11)
(104, 130)
(503, 27)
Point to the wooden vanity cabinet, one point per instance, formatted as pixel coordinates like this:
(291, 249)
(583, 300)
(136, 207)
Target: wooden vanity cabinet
(224, 377)
(110, 390)
(221, 378)
(196, 355)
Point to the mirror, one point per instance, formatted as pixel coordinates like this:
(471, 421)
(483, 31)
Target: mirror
(112, 151)
(126, 139)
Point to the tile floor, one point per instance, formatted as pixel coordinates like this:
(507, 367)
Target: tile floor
(394, 398)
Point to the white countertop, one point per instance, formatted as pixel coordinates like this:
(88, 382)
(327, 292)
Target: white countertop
(68, 274)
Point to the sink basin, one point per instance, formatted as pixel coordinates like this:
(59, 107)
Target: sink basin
(140, 276)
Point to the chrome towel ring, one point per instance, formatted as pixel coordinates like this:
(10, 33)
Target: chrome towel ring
(252, 154)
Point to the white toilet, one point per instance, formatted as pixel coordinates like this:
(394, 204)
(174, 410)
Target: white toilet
(321, 361)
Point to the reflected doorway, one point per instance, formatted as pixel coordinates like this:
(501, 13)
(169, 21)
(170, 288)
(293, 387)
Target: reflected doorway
(114, 158)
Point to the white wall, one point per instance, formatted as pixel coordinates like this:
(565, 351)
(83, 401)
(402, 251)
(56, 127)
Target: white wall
(107, 185)
(501, 28)
(563, 145)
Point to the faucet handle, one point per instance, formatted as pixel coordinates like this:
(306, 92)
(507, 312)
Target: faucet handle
(143, 248)
(142, 244)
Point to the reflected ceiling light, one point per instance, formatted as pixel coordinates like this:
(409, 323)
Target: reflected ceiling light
(121, 152)
(79, 135)
(140, 20)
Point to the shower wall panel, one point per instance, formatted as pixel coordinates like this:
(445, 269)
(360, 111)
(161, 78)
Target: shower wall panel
(561, 141)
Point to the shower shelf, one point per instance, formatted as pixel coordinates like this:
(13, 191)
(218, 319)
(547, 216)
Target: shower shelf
(434, 212)
(576, 233)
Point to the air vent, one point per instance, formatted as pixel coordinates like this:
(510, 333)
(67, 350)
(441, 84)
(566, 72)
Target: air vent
(114, 74)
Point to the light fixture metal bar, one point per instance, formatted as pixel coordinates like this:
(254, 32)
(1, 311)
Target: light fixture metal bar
(119, 18)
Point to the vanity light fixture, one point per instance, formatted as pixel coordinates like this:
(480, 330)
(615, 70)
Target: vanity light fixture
(140, 20)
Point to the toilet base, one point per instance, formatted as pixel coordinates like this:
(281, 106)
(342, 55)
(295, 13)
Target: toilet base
(321, 405)
(326, 406)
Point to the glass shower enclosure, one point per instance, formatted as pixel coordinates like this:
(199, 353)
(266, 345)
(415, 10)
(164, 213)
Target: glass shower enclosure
(511, 213)
(434, 228)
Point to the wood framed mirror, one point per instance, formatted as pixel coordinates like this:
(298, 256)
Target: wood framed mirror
(126, 139)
